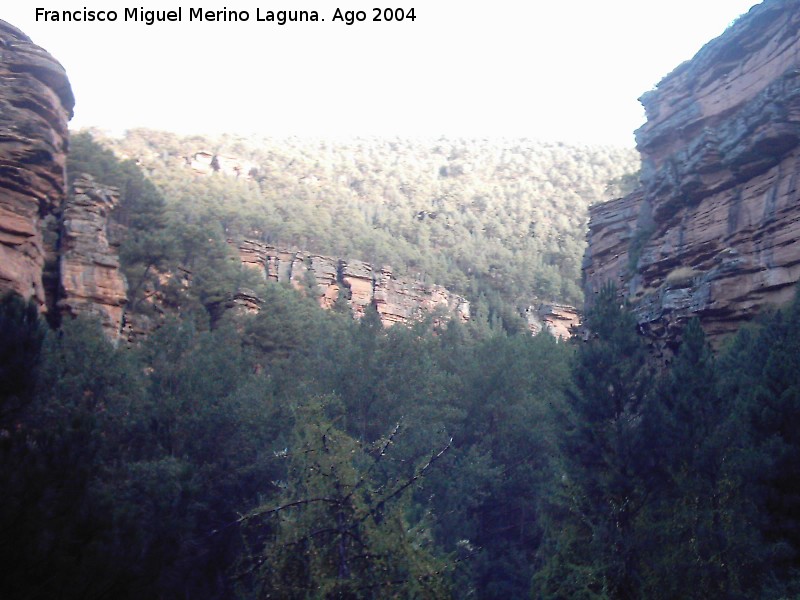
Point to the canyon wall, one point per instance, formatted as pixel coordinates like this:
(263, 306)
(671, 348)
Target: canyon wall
(356, 283)
(53, 246)
(713, 230)
(36, 104)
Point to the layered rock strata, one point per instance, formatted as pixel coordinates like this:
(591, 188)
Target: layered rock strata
(91, 280)
(36, 104)
(713, 230)
(400, 300)
(397, 300)
(359, 282)
(559, 320)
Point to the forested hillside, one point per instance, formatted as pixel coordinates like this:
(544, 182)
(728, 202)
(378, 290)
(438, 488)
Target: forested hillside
(300, 454)
(502, 220)
(196, 448)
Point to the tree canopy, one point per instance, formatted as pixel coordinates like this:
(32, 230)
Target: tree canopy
(300, 453)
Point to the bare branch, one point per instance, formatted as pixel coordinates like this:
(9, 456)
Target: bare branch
(410, 481)
(268, 511)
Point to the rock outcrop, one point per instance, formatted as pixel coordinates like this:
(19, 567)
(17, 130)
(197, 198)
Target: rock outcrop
(713, 230)
(560, 320)
(357, 283)
(206, 163)
(400, 300)
(245, 302)
(36, 104)
(91, 280)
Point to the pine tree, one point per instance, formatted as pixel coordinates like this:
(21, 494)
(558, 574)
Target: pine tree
(694, 522)
(763, 378)
(602, 486)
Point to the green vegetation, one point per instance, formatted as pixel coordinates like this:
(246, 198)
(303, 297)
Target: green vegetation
(338, 459)
(298, 453)
(504, 221)
(340, 529)
(681, 276)
(159, 240)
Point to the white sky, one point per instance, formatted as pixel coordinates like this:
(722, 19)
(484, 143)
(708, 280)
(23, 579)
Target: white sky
(568, 70)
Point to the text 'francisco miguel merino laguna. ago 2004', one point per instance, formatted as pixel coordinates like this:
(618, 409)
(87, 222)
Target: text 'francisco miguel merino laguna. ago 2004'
(177, 15)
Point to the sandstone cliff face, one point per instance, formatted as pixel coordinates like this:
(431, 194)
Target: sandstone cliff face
(400, 300)
(397, 300)
(36, 103)
(714, 229)
(91, 281)
(52, 250)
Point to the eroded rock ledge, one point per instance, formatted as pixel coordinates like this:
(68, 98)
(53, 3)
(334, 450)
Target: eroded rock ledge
(397, 300)
(713, 230)
(560, 320)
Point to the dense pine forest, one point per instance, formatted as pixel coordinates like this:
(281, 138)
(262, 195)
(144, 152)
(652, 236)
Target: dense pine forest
(299, 453)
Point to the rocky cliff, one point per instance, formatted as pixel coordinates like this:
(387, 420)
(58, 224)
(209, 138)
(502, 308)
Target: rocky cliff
(713, 230)
(35, 105)
(360, 285)
(53, 247)
(357, 283)
(91, 280)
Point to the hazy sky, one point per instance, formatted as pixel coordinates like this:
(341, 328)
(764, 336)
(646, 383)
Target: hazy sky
(568, 70)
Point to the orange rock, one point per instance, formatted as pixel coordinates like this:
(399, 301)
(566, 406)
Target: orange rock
(35, 105)
(91, 281)
(713, 231)
(397, 300)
